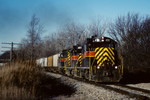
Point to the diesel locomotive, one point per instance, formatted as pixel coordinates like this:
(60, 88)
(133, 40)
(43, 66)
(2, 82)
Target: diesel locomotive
(96, 60)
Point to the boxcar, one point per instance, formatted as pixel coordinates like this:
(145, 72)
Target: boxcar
(42, 62)
(55, 60)
(50, 61)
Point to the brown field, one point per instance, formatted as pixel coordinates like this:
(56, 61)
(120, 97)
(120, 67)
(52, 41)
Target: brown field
(19, 81)
(24, 81)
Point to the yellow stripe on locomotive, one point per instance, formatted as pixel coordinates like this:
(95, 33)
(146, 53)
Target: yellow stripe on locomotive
(80, 59)
(68, 58)
(104, 54)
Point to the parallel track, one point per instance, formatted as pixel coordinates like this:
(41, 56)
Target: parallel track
(134, 88)
(121, 91)
(124, 92)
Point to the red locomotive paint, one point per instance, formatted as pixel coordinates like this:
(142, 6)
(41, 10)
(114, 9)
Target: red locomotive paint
(63, 59)
(74, 57)
(66, 59)
(89, 54)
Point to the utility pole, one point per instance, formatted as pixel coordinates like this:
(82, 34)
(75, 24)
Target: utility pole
(11, 48)
(11, 51)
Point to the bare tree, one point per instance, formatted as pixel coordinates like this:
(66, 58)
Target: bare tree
(49, 45)
(30, 47)
(131, 33)
(62, 41)
(71, 34)
(97, 27)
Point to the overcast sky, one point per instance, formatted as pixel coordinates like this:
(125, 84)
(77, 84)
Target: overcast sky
(16, 14)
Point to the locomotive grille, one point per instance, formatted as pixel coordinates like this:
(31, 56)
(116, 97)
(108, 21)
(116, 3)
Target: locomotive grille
(80, 59)
(104, 54)
(68, 58)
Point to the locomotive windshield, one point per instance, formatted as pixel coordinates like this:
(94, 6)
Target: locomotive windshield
(107, 45)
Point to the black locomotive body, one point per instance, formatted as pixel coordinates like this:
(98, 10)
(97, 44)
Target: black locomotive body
(96, 59)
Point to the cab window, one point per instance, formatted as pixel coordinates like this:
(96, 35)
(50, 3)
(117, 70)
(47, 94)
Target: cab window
(107, 45)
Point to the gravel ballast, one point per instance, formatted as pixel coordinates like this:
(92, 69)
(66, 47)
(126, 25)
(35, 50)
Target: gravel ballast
(85, 91)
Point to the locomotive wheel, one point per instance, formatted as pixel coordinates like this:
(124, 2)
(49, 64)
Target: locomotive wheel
(75, 73)
(80, 73)
(68, 72)
(90, 77)
(71, 72)
(86, 74)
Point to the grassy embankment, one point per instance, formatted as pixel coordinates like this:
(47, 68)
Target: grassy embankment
(25, 81)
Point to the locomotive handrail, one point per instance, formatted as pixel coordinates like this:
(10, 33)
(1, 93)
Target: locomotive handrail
(93, 61)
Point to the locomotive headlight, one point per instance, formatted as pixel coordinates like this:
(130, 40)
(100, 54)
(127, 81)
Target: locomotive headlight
(79, 47)
(98, 67)
(97, 40)
(116, 67)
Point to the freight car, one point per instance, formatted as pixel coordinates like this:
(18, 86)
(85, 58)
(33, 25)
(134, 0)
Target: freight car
(49, 63)
(42, 62)
(96, 59)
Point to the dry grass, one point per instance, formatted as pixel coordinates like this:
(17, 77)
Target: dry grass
(15, 93)
(25, 81)
(20, 81)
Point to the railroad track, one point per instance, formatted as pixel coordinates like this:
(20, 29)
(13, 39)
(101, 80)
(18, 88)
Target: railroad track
(128, 92)
(122, 91)
(134, 88)
(132, 92)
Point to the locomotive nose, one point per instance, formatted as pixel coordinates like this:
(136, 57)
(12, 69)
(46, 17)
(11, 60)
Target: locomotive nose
(107, 63)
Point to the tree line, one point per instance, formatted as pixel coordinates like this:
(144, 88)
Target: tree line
(132, 32)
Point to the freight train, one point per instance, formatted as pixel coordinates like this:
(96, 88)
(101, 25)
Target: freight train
(96, 60)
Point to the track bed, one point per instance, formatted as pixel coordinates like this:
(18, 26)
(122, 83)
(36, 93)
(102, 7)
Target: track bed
(90, 90)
